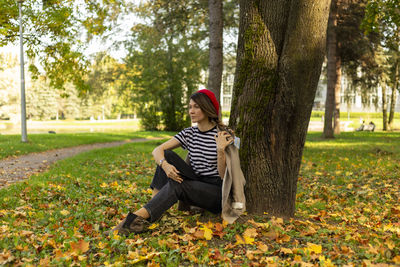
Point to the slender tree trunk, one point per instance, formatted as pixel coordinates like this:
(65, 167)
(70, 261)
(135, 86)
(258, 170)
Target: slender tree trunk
(215, 45)
(384, 108)
(280, 52)
(338, 87)
(331, 71)
(393, 98)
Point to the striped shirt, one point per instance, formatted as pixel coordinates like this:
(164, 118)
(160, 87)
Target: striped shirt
(202, 150)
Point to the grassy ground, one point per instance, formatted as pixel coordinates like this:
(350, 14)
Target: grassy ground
(71, 126)
(347, 213)
(11, 145)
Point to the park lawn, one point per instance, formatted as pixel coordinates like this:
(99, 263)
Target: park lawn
(347, 213)
(11, 145)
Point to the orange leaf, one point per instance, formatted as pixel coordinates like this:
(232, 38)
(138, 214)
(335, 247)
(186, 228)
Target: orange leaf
(79, 247)
(250, 232)
(199, 234)
(272, 235)
(286, 251)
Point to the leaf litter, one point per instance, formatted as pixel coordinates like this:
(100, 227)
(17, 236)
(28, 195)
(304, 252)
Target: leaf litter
(348, 214)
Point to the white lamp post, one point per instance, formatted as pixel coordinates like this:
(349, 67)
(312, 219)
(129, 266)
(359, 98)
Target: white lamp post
(24, 137)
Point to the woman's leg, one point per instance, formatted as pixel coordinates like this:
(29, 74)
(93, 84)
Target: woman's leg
(204, 195)
(160, 177)
(160, 183)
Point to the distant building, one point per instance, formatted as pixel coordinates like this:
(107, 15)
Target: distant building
(353, 101)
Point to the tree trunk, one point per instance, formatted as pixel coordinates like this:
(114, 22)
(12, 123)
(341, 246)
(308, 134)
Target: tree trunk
(393, 98)
(384, 108)
(215, 45)
(338, 87)
(280, 52)
(331, 71)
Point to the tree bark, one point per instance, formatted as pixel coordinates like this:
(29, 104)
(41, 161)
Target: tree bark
(338, 87)
(331, 71)
(384, 108)
(393, 98)
(281, 47)
(215, 46)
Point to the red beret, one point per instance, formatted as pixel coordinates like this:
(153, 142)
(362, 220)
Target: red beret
(211, 96)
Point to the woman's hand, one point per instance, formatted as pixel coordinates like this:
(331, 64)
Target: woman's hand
(223, 139)
(171, 172)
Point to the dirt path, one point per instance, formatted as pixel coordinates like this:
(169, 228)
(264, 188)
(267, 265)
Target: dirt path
(19, 168)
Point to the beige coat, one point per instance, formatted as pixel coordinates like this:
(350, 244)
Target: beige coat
(233, 198)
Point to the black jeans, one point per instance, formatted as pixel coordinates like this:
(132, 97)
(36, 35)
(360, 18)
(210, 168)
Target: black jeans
(204, 192)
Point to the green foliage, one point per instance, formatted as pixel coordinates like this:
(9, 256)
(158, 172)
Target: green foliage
(150, 118)
(53, 33)
(347, 213)
(166, 57)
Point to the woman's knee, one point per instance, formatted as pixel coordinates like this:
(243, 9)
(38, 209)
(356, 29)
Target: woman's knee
(170, 155)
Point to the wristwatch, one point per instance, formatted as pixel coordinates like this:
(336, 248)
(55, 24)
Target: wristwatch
(161, 161)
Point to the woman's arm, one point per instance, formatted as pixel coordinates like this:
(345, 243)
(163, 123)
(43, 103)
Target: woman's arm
(158, 154)
(223, 139)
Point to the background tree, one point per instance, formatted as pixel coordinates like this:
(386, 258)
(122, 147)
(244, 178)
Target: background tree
(168, 53)
(383, 19)
(215, 47)
(56, 33)
(332, 103)
(280, 52)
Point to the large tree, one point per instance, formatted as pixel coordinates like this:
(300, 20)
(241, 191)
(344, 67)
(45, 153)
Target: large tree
(281, 48)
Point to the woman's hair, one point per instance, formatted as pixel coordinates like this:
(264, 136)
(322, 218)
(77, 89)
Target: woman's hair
(208, 109)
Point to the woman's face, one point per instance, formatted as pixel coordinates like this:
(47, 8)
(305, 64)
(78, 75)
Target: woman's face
(195, 112)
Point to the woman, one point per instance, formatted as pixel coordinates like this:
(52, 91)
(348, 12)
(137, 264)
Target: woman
(199, 183)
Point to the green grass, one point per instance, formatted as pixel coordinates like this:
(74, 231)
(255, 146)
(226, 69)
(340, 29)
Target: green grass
(11, 145)
(347, 212)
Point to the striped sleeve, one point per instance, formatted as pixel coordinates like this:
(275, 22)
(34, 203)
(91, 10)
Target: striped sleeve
(182, 138)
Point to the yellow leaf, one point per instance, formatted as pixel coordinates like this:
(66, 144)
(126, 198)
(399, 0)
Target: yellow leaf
(116, 236)
(349, 186)
(297, 259)
(325, 262)
(104, 185)
(132, 255)
(396, 259)
(317, 249)
(207, 232)
(390, 244)
(248, 240)
(64, 212)
(286, 251)
(154, 225)
(239, 240)
(318, 173)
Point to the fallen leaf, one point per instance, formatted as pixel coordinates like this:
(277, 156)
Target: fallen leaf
(314, 248)
(64, 212)
(79, 247)
(286, 251)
